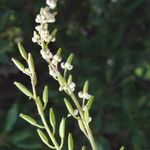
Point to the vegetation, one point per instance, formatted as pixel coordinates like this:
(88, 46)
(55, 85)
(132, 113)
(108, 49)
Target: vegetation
(111, 43)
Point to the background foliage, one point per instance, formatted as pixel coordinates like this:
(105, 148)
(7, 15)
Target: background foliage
(112, 46)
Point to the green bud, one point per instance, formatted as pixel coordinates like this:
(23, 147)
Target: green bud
(69, 107)
(28, 119)
(18, 64)
(90, 102)
(70, 58)
(59, 52)
(45, 96)
(53, 34)
(62, 128)
(70, 142)
(23, 89)
(22, 51)
(52, 118)
(70, 79)
(86, 86)
(31, 63)
(42, 136)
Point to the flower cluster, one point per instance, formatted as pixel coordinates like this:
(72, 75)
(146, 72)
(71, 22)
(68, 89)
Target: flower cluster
(41, 33)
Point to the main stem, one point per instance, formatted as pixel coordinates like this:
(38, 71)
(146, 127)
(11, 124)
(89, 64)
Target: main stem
(43, 118)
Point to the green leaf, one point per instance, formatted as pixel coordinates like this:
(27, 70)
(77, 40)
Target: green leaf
(22, 51)
(90, 102)
(59, 52)
(18, 64)
(70, 142)
(52, 118)
(29, 119)
(23, 89)
(70, 58)
(86, 86)
(11, 118)
(81, 126)
(69, 107)
(31, 63)
(45, 96)
(86, 115)
(43, 136)
(69, 80)
(62, 128)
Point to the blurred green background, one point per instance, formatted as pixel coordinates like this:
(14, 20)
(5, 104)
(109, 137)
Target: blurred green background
(111, 42)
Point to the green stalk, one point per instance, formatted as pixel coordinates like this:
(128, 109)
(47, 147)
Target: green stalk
(40, 110)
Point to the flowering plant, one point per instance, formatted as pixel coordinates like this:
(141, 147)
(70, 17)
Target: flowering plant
(43, 37)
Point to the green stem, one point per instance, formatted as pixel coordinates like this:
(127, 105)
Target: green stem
(47, 128)
(91, 138)
(40, 110)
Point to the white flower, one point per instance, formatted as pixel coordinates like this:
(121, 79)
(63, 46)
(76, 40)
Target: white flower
(51, 3)
(56, 59)
(46, 54)
(36, 37)
(72, 86)
(45, 16)
(84, 95)
(66, 66)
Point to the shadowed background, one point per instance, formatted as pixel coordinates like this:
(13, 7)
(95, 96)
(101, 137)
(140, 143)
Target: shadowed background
(111, 42)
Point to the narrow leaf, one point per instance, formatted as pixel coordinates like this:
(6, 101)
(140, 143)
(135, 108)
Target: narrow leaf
(28, 119)
(59, 52)
(22, 51)
(86, 115)
(86, 86)
(18, 64)
(70, 142)
(23, 89)
(70, 58)
(62, 128)
(81, 125)
(45, 96)
(69, 107)
(43, 137)
(31, 63)
(90, 102)
(52, 118)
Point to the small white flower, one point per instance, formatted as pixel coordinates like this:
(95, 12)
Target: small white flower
(72, 86)
(56, 59)
(51, 3)
(66, 66)
(45, 16)
(46, 54)
(84, 95)
(36, 37)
